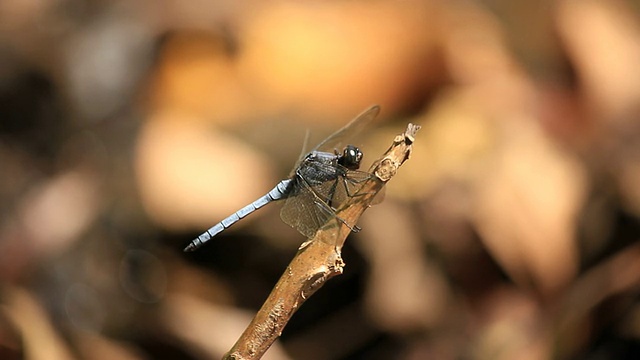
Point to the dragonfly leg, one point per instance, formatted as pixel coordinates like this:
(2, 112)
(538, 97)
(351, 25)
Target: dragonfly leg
(332, 192)
(352, 181)
(354, 228)
(322, 205)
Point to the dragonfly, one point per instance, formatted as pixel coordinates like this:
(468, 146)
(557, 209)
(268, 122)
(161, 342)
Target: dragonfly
(320, 182)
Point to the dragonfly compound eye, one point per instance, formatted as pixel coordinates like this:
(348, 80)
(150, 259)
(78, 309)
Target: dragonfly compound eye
(351, 157)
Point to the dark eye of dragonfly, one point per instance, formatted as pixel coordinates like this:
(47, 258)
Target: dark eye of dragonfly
(351, 157)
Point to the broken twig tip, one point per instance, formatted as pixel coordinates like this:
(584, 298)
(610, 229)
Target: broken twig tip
(410, 133)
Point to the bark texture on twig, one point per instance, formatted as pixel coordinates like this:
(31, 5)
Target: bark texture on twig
(318, 259)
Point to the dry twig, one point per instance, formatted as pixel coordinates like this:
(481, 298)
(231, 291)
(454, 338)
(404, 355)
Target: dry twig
(318, 259)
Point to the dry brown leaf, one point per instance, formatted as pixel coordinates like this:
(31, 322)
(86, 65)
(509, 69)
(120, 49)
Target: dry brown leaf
(41, 340)
(527, 208)
(338, 56)
(98, 347)
(602, 39)
(49, 220)
(512, 328)
(405, 291)
(196, 75)
(189, 175)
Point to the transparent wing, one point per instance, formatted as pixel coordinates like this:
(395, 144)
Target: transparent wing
(349, 186)
(379, 197)
(337, 139)
(336, 191)
(305, 211)
(313, 204)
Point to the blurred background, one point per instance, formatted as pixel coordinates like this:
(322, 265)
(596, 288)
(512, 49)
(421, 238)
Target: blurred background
(127, 128)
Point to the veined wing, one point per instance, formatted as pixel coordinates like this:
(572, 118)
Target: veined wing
(313, 203)
(304, 210)
(343, 185)
(338, 139)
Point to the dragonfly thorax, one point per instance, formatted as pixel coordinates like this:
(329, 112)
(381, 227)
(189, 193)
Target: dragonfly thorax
(351, 157)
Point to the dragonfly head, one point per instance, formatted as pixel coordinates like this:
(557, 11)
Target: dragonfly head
(351, 157)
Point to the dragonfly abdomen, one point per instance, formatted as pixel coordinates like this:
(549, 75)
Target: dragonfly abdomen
(280, 191)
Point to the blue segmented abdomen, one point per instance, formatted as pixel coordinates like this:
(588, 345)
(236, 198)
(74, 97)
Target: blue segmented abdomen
(280, 191)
